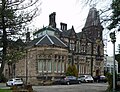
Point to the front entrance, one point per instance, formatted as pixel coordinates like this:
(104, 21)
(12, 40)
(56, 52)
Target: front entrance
(97, 72)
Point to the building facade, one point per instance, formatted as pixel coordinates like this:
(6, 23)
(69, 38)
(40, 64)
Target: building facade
(86, 48)
(108, 66)
(53, 49)
(91, 47)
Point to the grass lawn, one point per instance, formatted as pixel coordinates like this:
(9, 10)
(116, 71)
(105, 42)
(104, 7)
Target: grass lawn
(5, 90)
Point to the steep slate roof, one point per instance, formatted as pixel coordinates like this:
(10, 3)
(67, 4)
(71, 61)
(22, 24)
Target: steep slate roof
(19, 42)
(47, 40)
(33, 42)
(92, 24)
(93, 18)
(65, 33)
(68, 33)
(79, 35)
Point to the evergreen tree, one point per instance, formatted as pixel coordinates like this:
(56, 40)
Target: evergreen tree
(116, 14)
(14, 16)
(72, 71)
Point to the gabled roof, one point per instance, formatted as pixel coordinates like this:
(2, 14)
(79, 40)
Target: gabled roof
(65, 34)
(47, 40)
(79, 35)
(69, 33)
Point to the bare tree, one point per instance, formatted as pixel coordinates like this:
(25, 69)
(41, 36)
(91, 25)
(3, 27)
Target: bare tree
(90, 2)
(14, 16)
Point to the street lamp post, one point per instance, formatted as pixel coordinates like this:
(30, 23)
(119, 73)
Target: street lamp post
(113, 40)
(26, 70)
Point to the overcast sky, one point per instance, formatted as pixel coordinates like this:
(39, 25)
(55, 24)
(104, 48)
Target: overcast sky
(72, 12)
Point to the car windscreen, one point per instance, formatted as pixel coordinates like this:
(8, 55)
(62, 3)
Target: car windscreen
(10, 80)
(81, 76)
(18, 79)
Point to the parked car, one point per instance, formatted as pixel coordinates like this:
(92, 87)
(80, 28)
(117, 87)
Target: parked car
(86, 78)
(14, 81)
(102, 78)
(56, 81)
(118, 77)
(68, 80)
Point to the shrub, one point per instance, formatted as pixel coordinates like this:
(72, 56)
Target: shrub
(72, 71)
(2, 78)
(110, 81)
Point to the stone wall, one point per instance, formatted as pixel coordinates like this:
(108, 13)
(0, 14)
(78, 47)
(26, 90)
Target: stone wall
(28, 65)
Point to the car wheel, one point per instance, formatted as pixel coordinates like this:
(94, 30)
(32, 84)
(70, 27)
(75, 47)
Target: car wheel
(6, 84)
(68, 83)
(85, 81)
(79, 82)
(12, 84)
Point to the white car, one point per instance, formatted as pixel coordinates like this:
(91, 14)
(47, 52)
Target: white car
(86, 78)
(14, 81)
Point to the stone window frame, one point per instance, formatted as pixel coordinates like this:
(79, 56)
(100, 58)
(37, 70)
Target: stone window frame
(43, 59)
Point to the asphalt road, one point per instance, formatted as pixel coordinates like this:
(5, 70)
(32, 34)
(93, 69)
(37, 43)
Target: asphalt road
(84, 87)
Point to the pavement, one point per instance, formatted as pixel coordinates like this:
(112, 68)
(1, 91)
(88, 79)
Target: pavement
(3, 86)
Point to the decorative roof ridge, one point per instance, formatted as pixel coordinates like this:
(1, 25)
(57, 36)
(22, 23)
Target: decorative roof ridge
(46, 35)
(49, 39)
(41, 39)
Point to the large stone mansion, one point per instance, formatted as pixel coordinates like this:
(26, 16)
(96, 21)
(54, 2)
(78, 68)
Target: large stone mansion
(53, 49)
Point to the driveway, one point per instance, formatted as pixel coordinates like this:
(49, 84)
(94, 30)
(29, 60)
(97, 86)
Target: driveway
(84, 87)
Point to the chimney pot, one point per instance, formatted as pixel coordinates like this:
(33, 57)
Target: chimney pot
(63, 26)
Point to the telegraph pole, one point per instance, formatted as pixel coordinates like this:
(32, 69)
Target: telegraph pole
(113, 40)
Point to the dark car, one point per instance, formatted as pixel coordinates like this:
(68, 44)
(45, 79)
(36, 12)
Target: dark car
(56, 81)
(69, 80)
(101, 78)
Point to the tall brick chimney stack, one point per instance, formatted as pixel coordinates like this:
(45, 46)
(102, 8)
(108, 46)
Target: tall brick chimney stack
(52, 21)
